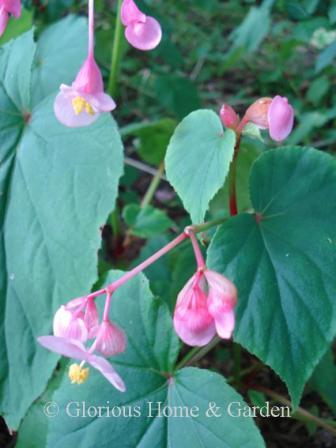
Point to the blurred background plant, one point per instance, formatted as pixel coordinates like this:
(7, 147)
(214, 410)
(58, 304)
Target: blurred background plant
(213, 51)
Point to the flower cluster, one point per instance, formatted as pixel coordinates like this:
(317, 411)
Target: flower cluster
(74, 325)
(85, 100)
(7, 8)
(204, 307)
(276, 115)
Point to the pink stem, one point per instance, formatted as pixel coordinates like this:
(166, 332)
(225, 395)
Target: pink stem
(91, 28)
(107, 306)
(198, 253)
(115, 285)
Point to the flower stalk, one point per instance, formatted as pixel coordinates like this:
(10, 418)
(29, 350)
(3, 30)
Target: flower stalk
(116, 53)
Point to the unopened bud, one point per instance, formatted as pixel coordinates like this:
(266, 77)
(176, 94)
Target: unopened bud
(229, 117)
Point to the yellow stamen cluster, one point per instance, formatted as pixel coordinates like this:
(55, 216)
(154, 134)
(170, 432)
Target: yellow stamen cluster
(79, 104)
(78, 374)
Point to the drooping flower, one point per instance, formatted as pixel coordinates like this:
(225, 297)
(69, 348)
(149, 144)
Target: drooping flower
(204, 307)
(229, 116)
(8, 7)
(85, 100)
(192, 320)
(276, 115)
(111, 340)
(142, 32)
(82, 103)
(75, 323)
(76, 350)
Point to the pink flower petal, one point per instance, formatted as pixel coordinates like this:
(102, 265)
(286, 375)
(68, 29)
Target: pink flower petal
(144, 35)
(197, 330)
(192, 320)
(280, 118)
(103, 102)
(91, 319)
(66, 325)
(111, 340)
(105, 368)
(222, 297)
(66, 115)
(3, 20)
(13, 7)
(222, 292)
(89, 79)
(225, 323)
(131, 13)
(65, 347)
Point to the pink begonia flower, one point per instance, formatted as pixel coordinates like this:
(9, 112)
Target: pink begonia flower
(111, 340)
(76, 350)
(276, 115)
(229, 117)
(8, 7)
(205, 307)
(192, 320)
(280, 118)
(142, 32)
(82, 103)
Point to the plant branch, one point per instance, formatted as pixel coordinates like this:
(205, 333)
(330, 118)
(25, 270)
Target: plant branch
(300, 412)
(116, 53)
(147, 199)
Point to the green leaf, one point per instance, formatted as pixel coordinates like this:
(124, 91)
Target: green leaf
(153, 138)
(146, 222)
(202, 388)
(283, 260)
(198, 160)
(250, 34)
(16, 27)
(50, 218)
(16, 60)
(61, 50)
(33, 430)
(326, 57)
(146, 368)
(323, 380)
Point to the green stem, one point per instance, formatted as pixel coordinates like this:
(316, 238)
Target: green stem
(207, 225)
(300, 414)
(197, 353)
(153, 186)
(116, 53)
(115, 223)
(244, 372)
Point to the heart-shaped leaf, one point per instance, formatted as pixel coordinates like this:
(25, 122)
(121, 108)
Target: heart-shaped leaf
(50, 218)
(147, 368)
(283, 261)
(198, 160)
